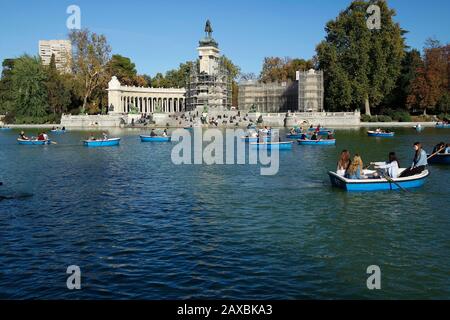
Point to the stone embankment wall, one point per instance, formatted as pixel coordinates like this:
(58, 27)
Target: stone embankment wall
(223, 118)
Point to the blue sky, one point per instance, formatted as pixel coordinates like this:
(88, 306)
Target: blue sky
(158, 35)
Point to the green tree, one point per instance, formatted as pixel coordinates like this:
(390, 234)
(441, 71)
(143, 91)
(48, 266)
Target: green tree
(397, 99)
(177, 78)
(369, 61)
(90, 61)
(276, 69)
(29, 90)
(123, 69)
(6, 92)
(234, 72)
(59, 97)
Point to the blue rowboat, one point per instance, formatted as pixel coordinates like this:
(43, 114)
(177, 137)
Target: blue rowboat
(442, 125)
(33, 142)
(380, 134)
(330, 142)
(155, 139)
(5, 129)
(58, 131)
(273, 145)
(440, 158)
(102, 143)
(321, 132)
(379, 184)
(294, 136)
(254, 139)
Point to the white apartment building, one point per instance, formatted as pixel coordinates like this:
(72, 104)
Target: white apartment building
(62, 49)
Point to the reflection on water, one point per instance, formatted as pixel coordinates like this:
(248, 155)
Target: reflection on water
(140, 227)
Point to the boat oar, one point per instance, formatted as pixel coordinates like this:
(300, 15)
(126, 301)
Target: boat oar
(436, 153)
(53, 142)
(390, 180)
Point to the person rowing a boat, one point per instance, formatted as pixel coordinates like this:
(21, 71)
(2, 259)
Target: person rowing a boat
(153, 133)
(22, 136)
(419, 164)
(164, 134)
(314, 136)
(439, 148)
(330, 136)
(42, 136)
(105, 136)
(391, 166)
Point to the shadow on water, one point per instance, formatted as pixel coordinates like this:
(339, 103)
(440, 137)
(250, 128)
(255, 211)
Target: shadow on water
(15, 196)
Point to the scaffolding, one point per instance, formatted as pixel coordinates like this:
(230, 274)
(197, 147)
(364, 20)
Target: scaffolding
(255, 96)
(209, 91)
(310, 91)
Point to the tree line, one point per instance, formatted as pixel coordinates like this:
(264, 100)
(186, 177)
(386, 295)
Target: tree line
(31, 92)
(368, 69)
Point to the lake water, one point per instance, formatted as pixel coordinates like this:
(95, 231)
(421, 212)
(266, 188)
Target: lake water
(140, 227)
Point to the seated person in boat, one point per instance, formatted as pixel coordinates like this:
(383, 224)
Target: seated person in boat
(54, 128)
(378, 130)
(330, 136)
(153, 133)
(447, 148)
(41, 137)
(356, 169)
(22, 136)
(391, 166)
(343, 163)
(164, 134)
(419, 164)
(314, 136)
(105, 136)
(292, 131)
(45, 136)
(440, 147)
(303, 136)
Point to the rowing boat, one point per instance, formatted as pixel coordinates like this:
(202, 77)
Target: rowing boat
(442, 125)
(321, 132)
(255, 139)
(273, 145)
(378, 184)
(329, 142)
(145, 138)
(33, 142)
(440, 158)
(102, 143)
(380, 134)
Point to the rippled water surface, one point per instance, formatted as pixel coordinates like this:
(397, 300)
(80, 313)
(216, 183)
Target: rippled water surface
(140, 227)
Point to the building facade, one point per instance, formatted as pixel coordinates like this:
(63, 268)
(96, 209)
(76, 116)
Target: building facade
(124, 99)
(255, 96)
(303, 95)
(310, 91)
(209, 83)
(62, 49)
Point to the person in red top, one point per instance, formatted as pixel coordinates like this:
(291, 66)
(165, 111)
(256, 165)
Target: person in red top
(41, 137)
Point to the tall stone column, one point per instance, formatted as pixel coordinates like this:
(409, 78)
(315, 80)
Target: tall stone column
(114, 94)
